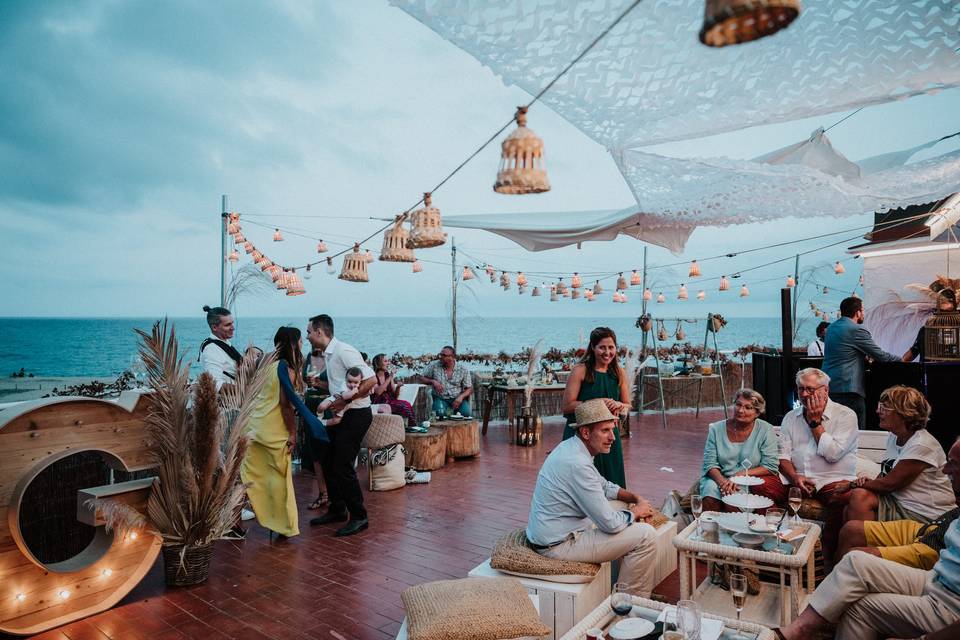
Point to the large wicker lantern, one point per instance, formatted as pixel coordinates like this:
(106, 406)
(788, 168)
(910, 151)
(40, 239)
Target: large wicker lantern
(522, 169)
(426, 227)
(354, 266)
(294, 285)
(694, 269)
(395, 243)
(941, 336)
(728, 22)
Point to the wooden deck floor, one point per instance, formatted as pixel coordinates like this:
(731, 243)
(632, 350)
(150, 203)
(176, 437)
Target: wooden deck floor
(318, 586)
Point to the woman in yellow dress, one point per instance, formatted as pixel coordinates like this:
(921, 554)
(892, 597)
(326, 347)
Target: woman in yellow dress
(268, 466)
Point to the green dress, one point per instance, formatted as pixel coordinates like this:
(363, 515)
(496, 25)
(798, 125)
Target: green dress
(610, 465)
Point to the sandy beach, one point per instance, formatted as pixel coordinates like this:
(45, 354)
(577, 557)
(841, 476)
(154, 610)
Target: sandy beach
(19, 389)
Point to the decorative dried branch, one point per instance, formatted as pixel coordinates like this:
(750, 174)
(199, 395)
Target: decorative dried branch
(533, 364)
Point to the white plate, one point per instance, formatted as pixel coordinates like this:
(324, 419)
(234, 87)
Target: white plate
(762, 528)
(738, 522)
(631, 628)
(747, 501)
(746, 481)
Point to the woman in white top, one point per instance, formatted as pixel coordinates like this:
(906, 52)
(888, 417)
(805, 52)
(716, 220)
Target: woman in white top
(911, 484)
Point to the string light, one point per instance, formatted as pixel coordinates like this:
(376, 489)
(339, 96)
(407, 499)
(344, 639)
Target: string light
(535, 293)
(521, 279)
(106, 573)
(647, 295)
(694, 270)
(838, 268)
(682, 295)
(133, 535)
(623, 297)
(724, 283)
(321, 247)
(634, 278)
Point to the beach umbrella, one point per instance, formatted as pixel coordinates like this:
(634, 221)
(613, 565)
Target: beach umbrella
(522, 169)
(727, 22)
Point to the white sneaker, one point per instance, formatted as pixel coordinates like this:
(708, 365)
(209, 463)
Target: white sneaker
(246, 514)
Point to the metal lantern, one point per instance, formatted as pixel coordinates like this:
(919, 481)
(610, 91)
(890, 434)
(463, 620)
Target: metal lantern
(647, 295)
(522, 169)
(724, 283)
(621, 282)
(694, 270)
(322, 247)
(661, 298)
(597, 288)
(417, 267)
(744, 292)
(396, 243)
(701, 295)
(426, 227)
(682, 294)
(634, 278)
(354, 266)
(791, 282)
(576, 283)
(277, 236)
(838, 268)
(467, 273)
(727, 22)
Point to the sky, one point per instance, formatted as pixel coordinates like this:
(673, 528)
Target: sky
(123, 123)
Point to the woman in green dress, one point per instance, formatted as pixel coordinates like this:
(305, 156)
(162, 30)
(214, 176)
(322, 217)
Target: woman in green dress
(599, 376)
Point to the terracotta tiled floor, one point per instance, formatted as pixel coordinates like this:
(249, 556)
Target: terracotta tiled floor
(318, 586)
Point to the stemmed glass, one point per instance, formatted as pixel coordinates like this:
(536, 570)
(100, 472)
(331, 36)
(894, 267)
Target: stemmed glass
(794, 500)
(139, 370)
(696, 506)
(620, 600)
(738, 589)
(774, 517)
(688, 619)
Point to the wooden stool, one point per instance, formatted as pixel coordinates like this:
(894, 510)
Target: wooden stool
(463, 437)
(426, 451)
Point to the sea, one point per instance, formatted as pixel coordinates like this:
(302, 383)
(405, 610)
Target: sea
(105, 347)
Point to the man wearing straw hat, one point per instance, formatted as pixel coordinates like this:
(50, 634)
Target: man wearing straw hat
(571, 515)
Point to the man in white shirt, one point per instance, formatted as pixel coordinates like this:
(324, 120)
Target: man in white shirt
(815, 348)
(217, 356)
(571, 516)
(336, 458)
(818, 451)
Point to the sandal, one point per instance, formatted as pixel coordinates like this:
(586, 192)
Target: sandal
(319, 502)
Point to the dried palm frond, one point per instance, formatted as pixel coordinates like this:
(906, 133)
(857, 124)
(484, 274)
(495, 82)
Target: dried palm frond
(631, 365)
(533, 364)
(117, 516)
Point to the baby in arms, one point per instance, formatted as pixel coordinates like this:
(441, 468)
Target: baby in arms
(351, 385)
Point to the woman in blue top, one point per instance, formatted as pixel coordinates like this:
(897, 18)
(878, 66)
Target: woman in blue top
(741, 445)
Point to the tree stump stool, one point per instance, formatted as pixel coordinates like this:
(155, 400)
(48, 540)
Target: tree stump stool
(463, 437)
(426, 451)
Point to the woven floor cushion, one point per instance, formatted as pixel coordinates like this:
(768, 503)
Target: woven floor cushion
(385, 430)
(513, 554)
(471, 609)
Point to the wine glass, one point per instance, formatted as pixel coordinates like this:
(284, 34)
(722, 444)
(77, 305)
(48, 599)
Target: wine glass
(794, 500)
(620, 600)
(774, 517)
(139, 370)
(696, 506)
(688, 619)
(738, 589)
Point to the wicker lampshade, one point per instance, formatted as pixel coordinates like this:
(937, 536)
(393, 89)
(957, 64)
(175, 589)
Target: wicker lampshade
(682, 294)
(467, 272)
(647, 294)
(265, 263)
(233, 227)
(623, 297)
(248, 247)
(234, 256)
(535, 293)
(354, 266)
(561, 287)
(277, 236)
(395, 243)
(295, 285)
(504, 280)
(588, 293)
(744, 292)
(238, 238)
(616, 296)
(521, 279)
(321, 247)
(728, 22)
(522, 169)
(417, 267)
(634, 278)
(724, 283)
(598, 288)
(575, 294)
(576, 282)
(283, 280)
(661, 298)
(694, 269)
(838, 268)
(791, 282)
(275, 273)
(330, 268)
(621, 282)
(701, 295)
(553, 294)
(426, 227)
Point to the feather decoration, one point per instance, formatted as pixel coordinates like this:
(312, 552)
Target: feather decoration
(533, 365)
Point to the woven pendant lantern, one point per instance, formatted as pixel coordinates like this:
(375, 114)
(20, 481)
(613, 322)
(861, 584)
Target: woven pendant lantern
(662, 333)
(661, 298)
(621, 282)
(234, 256)
(744, 292)
(504, 279)
(562, 287)
(284, 280)
(248, 247)
(592, 298)
(233, 227)
(791, 282)
(522, 169)
(694, 270)
(295, 285)
(838, 268)
(354, 266)
(467, 272)
(566, 293)
(276, 274)
(426, 227)
(575, 294)
(634, 279)
(647, 295)
(598, 289)
(553, 294)
(330, 268)
(535, 293)
(588, 293)
(727, 22)
(701, 295)
(277, 236)
(576, 283)
(682, 294)
(395, 241)
(417, 267)
(623, 297)
(322, 247)
(680, 334)
(724, 283)
(265, 263)
(616, 296)
(521, 279)
(238, 238)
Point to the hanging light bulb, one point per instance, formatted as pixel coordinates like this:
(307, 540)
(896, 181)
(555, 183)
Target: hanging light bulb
(647, 294)
(467, 273)
(682, 294)
(504, 280)
(791, 282)
(306, 273)
(838, 268)
(277, 236)
(621, 282)
(521, 161)
(724, 283)
(280, 278)
(521, 279)
(575, 282)
(744, 292)
(330, 268)
(616, 296)
(623, 297)
(634, 278)
(368, 256)
(597, 288)
(417, 267)
(661, 298)
(234, 256)
(694, 269)
(701, 295)
(321, 247)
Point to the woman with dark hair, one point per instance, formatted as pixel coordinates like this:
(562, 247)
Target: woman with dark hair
(599, 376)
(267, 467)
(387, 389)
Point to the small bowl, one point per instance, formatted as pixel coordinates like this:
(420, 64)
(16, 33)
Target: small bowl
(748, 540)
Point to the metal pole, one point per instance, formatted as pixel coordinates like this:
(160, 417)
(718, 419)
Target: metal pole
(796, 289)
(643, 340)
(224, 220)
(786, 362)
(453, 289)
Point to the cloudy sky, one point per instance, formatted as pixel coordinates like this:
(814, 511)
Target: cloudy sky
(122, 123)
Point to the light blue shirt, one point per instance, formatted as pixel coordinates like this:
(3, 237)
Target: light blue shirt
(758, 450)
(947, 569)
(571, 495)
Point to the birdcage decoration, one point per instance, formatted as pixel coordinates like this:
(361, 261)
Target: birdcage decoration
(634, 278)
(395, 243)
(838, 268)
(575, 294)
(330, 268)
(576, 281)
(694, 270)
(521, 279)
(322, 246)
(941, 335)
(724, 283)
(598, 288)
(295, 285)
(535, 293)
(661, 298)
(426, 226)
(417, 267)
(744, 292)
(522, 169)
(277, 236)
(234, 256)
(354, 266)
(682, 294)
(647, 295)
(791, 282)
(562, 287)
(621, 282)
(701, 295)
(727, 22)
(248, 247)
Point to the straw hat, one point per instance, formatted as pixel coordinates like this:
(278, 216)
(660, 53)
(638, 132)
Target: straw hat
(591, 412)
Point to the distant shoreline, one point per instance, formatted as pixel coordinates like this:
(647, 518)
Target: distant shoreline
(19, 389)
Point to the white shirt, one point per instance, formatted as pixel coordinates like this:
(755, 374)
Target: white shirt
(339, 356)
(931, 493)
(218, 364)
(815, 348)
(571, 495)
(834, 458)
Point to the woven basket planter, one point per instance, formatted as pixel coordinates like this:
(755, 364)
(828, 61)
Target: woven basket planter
(183, 568)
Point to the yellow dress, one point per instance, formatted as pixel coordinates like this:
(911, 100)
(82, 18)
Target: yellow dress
(268, 468)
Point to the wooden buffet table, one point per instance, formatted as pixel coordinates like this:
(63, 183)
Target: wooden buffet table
(513, 397)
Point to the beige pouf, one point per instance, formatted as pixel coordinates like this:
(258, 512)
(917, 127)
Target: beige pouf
(513, 554)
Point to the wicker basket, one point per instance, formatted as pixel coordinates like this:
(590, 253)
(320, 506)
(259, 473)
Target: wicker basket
(354, 266)
(426, 226)
(522, 169)
(395, 242)
(185, 566)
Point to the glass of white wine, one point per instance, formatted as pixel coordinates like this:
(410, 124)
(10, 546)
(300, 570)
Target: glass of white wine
(738, 589)
(688, 619)
(794, 500)
(696, 506)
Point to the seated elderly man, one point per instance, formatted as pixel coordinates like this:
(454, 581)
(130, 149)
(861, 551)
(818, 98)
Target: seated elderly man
(571, 517)
(451, 383)
(818, 451)
(870, 598)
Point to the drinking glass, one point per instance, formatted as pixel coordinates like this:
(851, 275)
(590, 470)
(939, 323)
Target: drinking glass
(696, 506)
(774, 517)
(794, 500)
(688, 619)
(738, 589)
(139, 371)
(620, 600)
